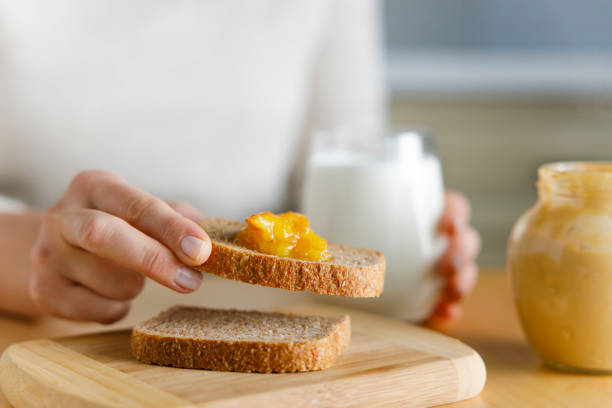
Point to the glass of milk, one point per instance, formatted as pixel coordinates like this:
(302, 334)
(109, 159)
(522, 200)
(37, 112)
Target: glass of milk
(381, 189)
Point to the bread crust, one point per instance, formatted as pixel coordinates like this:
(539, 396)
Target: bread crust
(242, 356)
(353, 277)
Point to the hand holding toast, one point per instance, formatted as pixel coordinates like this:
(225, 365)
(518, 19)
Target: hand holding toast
(101, 239)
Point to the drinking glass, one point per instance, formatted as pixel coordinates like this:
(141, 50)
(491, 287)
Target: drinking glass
(381, 189)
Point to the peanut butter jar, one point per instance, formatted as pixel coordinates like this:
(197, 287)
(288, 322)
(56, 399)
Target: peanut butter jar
(560, 266)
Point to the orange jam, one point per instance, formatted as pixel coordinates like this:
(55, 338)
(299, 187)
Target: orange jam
(287, 234)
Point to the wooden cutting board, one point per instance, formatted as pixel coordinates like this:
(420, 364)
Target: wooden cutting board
(389, 363)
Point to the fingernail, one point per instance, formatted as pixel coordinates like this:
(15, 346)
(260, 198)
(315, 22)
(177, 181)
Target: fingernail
(188, 278)
(192, 246)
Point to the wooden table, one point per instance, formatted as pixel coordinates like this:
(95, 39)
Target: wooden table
(515, 375)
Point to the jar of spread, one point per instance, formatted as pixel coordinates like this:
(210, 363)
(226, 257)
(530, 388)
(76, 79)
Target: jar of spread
(560, 265)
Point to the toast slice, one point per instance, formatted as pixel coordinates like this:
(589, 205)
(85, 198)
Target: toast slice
(246, 341)
(350, 272)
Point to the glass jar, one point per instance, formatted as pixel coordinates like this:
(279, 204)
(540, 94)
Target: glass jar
(381, 189)
(560, 265)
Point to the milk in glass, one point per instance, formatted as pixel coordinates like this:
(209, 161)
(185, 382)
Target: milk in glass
(382, 192)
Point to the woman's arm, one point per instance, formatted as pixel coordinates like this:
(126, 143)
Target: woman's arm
(17, 235)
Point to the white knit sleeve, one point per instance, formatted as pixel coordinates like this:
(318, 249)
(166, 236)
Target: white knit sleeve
(349, 88)
(11, 205)
(7, 204)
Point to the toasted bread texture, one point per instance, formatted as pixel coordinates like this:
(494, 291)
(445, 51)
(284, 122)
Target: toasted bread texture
(246, 341)
(350, 272)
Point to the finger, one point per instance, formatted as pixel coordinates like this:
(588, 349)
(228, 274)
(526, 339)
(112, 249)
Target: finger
(462, 283)
(108, 193)
(61, 298)
(105, 277)
(155, 218)
(442, 314)
(112, 238)
(457, 211)
(187, 210)
(463, 248)
(78, 194)
(448, 310)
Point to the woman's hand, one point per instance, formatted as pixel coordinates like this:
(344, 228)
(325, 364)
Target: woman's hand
(457, 265)
(101, 239)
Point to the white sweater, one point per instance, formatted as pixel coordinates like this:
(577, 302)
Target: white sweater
(199, 100)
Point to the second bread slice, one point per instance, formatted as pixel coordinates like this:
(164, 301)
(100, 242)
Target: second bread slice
(233, 340)
(350, 272)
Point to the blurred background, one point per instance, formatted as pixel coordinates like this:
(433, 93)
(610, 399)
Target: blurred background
(505, 86)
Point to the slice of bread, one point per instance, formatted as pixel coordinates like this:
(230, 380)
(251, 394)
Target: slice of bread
(350, 272)
(246, 341)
